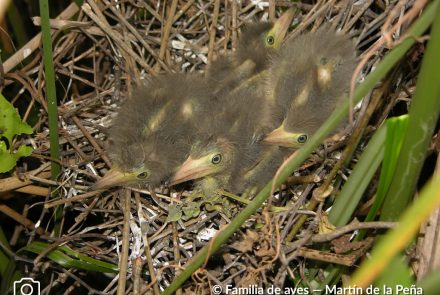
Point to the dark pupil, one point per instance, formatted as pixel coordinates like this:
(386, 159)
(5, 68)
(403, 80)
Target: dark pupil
(270, 40)
(302, 138)
(142, 175)
(216, 159)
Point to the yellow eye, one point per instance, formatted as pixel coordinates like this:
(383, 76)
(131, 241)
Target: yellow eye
(302, 138)
(270, 40)
(142, 175)
(216, 159)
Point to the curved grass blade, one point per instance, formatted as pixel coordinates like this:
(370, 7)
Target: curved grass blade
(68, 258)
(396, 128)
(397, 239)
(8, 269)
(423, 115)
(360, 178)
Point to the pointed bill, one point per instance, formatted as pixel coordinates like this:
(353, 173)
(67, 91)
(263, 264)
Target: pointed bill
(191, 169)
(281, 137)
(112, 178)
(282, 24)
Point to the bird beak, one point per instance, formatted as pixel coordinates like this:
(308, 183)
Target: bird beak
(281, 137)
(191, 169)
(112, 178)
(282, 24)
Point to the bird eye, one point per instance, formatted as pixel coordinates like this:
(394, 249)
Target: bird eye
(302, 138)
(270, 40)
(216, 159)
(142, 175)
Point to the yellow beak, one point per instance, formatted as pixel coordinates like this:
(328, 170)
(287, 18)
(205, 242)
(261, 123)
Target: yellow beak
(281, 25)
(112, 178)
(281, 137)
(191, 169)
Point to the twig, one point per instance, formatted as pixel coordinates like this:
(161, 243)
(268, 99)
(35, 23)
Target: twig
(99, 19)
(15, 182)
(147, 251)
(77, 198)
(33, 44)
(213, 30)
(22, 220)
(91, 140)
(123, 260)
(166, 33)
(411, 14)
(354, 225)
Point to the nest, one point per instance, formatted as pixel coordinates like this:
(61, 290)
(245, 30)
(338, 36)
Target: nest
(101, 50)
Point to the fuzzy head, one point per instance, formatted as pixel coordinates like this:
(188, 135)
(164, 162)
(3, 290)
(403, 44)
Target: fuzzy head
(141, 163)
(260, 39)
(309, 84)
(210, 158)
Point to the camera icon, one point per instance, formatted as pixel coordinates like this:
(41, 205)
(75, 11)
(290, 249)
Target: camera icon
(27, 286)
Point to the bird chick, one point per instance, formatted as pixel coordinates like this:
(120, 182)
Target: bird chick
(307, 79)
(209, 164)
(229, 144)
(154, 129)
(257, 42)
(214, 154)
(143, 162)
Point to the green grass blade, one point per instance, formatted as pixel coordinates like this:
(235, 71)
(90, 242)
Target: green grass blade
(396, 128)
(352, 191)
(50, 88)
(397, 239)
(423, 115)
(17, 25)
(354, 188)
(396, 273)
(52, 108)
(68, 258)
(431, 283)
(8, 271)
(4, 259)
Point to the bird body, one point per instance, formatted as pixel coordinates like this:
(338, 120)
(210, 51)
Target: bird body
(265, 162)
(308, 84)
(155, 128)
